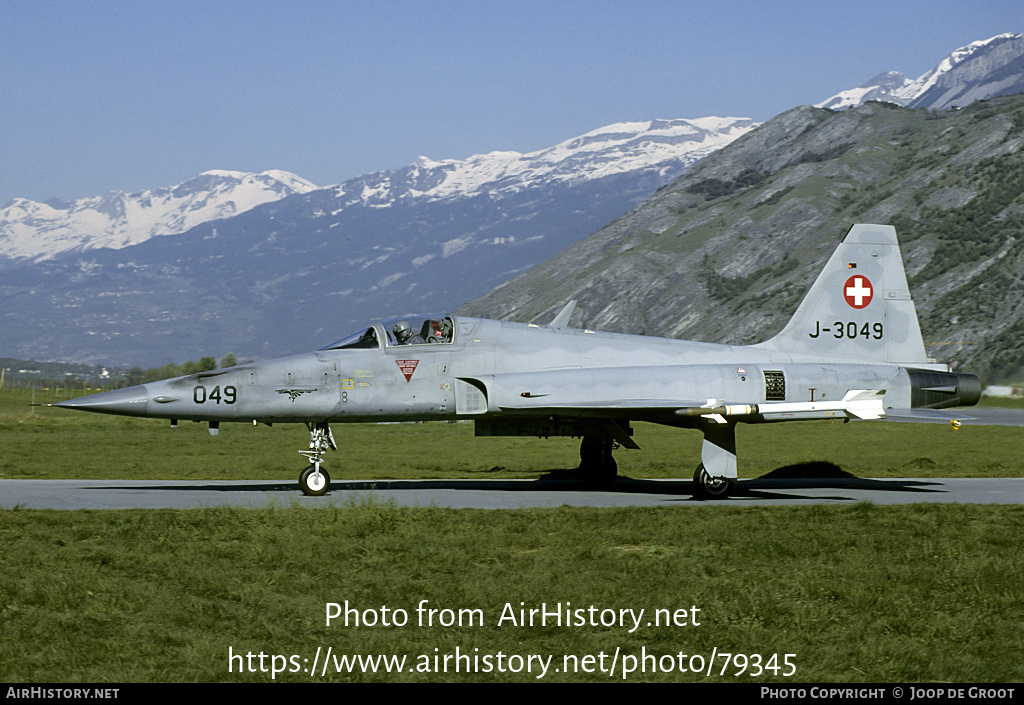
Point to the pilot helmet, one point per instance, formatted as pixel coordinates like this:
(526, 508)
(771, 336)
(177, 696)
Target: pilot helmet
(402, 330)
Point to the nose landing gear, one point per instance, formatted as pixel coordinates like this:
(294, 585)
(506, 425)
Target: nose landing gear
(314, 480)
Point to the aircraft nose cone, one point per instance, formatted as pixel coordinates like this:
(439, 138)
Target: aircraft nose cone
(130, 401)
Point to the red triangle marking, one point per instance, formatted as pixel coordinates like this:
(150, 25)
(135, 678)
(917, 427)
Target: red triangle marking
(407, 367)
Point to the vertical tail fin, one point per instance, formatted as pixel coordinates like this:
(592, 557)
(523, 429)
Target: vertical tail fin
(859, 307)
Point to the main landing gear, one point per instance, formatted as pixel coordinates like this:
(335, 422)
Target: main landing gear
(599, 440)
(596, 461)
(716, 474)
(707, 487)
(314, 480)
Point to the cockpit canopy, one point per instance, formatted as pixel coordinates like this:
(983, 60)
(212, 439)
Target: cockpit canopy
(406, 330)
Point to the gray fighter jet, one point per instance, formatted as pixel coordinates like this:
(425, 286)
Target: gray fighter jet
(853, 350)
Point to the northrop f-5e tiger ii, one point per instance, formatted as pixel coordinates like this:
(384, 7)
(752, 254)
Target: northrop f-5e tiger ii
(852, 350)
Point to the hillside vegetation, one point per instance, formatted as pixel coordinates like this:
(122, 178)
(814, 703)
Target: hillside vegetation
(726, 252)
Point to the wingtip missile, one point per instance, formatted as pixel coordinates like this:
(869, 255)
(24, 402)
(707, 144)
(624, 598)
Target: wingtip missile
(857, 403)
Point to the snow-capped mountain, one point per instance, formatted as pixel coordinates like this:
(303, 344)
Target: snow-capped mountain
(983, 69)
(116, 220)
(301, 270)
(662, 148)
(887, 87)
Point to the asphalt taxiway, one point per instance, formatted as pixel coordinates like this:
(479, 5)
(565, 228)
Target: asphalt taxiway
(499, 494)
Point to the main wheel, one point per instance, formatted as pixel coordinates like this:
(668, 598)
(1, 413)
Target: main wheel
(314, 483)
(708, 487)
(596, 461)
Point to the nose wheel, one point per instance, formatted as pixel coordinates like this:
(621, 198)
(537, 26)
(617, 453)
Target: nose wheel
(314, 480)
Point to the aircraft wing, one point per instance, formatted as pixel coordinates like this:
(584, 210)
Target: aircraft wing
(604, 408)
(591, 391)
(973, 416)
(668, 394)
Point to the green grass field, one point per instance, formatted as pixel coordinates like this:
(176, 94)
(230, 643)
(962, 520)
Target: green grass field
(861, 593)
(855, 594)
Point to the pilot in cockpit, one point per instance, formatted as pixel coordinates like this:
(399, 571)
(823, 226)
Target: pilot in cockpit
(404, 336)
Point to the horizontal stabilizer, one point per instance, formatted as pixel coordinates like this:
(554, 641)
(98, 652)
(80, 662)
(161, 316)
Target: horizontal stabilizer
(929, 416)
(975, 416)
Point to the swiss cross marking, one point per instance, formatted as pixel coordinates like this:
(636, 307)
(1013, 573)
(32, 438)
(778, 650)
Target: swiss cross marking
(858, 291)
(407, 367)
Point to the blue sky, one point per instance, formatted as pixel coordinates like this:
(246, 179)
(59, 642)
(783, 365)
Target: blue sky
(100, 95)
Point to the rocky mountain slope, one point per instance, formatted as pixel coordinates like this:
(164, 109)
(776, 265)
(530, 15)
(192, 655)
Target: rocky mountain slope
(726, 252)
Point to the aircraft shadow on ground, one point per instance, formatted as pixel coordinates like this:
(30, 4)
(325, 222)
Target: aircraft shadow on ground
(781, 483)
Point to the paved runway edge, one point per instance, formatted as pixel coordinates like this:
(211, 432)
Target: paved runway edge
(498, 494)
